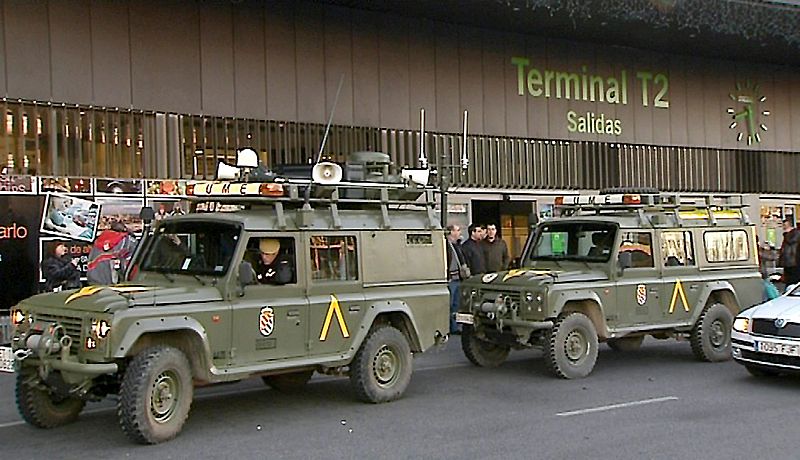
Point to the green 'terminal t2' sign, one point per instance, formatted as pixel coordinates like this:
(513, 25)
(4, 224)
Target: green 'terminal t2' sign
(583, 86)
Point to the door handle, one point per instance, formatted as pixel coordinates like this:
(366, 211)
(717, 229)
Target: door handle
(354, 309)
(653, 291)
(293, 313)
(693, 287)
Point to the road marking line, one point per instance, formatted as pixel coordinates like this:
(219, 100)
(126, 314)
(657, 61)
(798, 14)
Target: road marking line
(617, 406)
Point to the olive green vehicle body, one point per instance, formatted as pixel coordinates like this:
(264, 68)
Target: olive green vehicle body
(670, 300)
(214, 322)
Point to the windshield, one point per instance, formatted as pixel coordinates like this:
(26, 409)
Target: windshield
(576, 241)
(191, 248)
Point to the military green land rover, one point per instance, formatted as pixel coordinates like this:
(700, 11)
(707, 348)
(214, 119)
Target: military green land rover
(615, 268)
(301, 277)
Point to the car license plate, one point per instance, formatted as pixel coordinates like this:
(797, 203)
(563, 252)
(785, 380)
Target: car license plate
(777, 348)
(464, 318)
(6, 359)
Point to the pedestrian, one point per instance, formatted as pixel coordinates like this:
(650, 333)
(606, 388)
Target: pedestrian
(788, 257)
(495, 250)
(457, 270)
(473, 253)
(60, 271)
(110, 254)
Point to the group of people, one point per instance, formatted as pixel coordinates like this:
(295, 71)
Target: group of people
(108, 260)
(483, 252)
(789, 255)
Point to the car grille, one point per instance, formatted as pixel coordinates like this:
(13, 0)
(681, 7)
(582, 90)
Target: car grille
(71, 325)
(793, 361)
(490, 295)
(767, 327)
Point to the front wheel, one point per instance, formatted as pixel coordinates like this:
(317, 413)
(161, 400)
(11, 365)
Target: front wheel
(571, 351)
(41, 408)
(480, 352)
(155, 395)
(711, 335)
(381, 370)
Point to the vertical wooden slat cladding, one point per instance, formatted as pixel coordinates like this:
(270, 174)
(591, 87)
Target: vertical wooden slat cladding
(338, 63)
(249, 69)
(494, 90)
(165, 56)
(28, 54)
(470, 77)
(422, 72)
(678, 101)
(310, 64)
(216, 59)
(3, 71)
(71, 51)
(516, 105)
(366, 92)
(393, 72)
(279, 31)
(447, 80)
(111, 58)
(794, 96)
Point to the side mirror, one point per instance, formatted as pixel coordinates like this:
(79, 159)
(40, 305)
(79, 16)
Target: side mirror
(247, 275)
(624, 261)
(533, 219)
(789, 288)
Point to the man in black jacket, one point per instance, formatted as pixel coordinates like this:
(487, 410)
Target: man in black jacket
(473, 251)
(789, 257)
(455, 258)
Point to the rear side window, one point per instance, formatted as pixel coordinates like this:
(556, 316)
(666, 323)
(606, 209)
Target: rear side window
(334, 258)
(640, 247)
(726, 246)
(677, 249)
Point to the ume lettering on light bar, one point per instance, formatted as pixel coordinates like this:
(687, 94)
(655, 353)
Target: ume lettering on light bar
(227, 188)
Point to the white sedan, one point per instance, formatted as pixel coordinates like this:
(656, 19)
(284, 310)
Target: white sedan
(766, 338)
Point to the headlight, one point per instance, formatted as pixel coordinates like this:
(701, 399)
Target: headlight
(100, 328)
(741, 324)
(17, 317)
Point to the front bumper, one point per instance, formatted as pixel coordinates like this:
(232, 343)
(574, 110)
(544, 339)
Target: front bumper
(745, 352)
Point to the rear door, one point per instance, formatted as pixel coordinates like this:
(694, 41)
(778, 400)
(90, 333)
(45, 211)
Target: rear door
(681, 279)
(639, 288)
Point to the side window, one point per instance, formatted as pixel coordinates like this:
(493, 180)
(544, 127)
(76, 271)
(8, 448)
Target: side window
(334, 258)
(640, 247)
(726, 246)
(273, 260)
(677, 249)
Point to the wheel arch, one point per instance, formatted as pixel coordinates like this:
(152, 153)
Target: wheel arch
(400, 319)
(592, 309)
(718, 292)
(188, 341)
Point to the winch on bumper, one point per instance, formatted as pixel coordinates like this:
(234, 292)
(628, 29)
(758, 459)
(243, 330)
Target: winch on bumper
(499, 309)
(49, 345)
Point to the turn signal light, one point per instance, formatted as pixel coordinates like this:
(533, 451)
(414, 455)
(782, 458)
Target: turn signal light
(270, 189)
(559, 201)
(17, 316)
(190, 189)
(631, 199)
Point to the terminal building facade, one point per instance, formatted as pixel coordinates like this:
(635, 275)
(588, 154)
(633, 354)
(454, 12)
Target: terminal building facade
(560, 99)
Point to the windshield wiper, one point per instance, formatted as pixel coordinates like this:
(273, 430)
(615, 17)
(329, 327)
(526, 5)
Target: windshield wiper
(199, 280)
(167, 276)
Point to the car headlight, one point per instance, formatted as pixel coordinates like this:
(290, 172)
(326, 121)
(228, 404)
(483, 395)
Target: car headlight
(100, 328)
(741, 324)
(17, 316)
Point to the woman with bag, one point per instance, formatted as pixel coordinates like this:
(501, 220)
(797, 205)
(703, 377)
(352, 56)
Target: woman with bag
(60, 270)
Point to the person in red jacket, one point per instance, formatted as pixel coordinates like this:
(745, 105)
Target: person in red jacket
(110, 255)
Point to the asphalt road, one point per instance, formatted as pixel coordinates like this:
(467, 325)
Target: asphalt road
(656, 403)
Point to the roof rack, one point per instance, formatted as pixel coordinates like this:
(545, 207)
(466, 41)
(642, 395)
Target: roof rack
(681, 207)
(290, 194)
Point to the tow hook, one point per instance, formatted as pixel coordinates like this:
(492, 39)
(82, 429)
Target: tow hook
(440, 339)
(21, 354)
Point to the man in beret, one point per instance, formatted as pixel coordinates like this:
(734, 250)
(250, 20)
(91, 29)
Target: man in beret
(272, 266)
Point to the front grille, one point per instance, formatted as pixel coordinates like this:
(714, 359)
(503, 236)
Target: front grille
(767, 327)
(793, 361)
(72, 325)
(490, 295)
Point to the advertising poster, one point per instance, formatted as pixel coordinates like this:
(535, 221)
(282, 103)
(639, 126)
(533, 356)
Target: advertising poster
(119, 209)
(19, 247)
(70, 217)
(165, 208)
(166, 187)
(71, 185)
(17, 185)
(118, 187)
(75, 249)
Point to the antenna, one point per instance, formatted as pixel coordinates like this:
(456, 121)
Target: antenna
(330, 120)
(423, 159)
(464, 156)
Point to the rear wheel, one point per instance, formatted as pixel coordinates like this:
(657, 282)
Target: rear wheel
(155, 395)
(571, 351)
(626, 343)
(711, 335)
(41, 408)
(288, 382)
(381, 370)
(480, 352)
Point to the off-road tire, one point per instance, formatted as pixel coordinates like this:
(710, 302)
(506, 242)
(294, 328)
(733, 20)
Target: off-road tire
(571, 351)
(155, 395)
(626, 343)
(381, 369)
(287, 383)
(711, 335)
(39, 407)
(480, 352)
(757, 371)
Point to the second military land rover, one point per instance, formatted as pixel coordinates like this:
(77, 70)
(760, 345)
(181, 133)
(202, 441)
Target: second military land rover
(301, 277)
(615, 268)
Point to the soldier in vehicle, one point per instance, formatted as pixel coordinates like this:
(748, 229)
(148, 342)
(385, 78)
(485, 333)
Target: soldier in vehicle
(273, 267)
